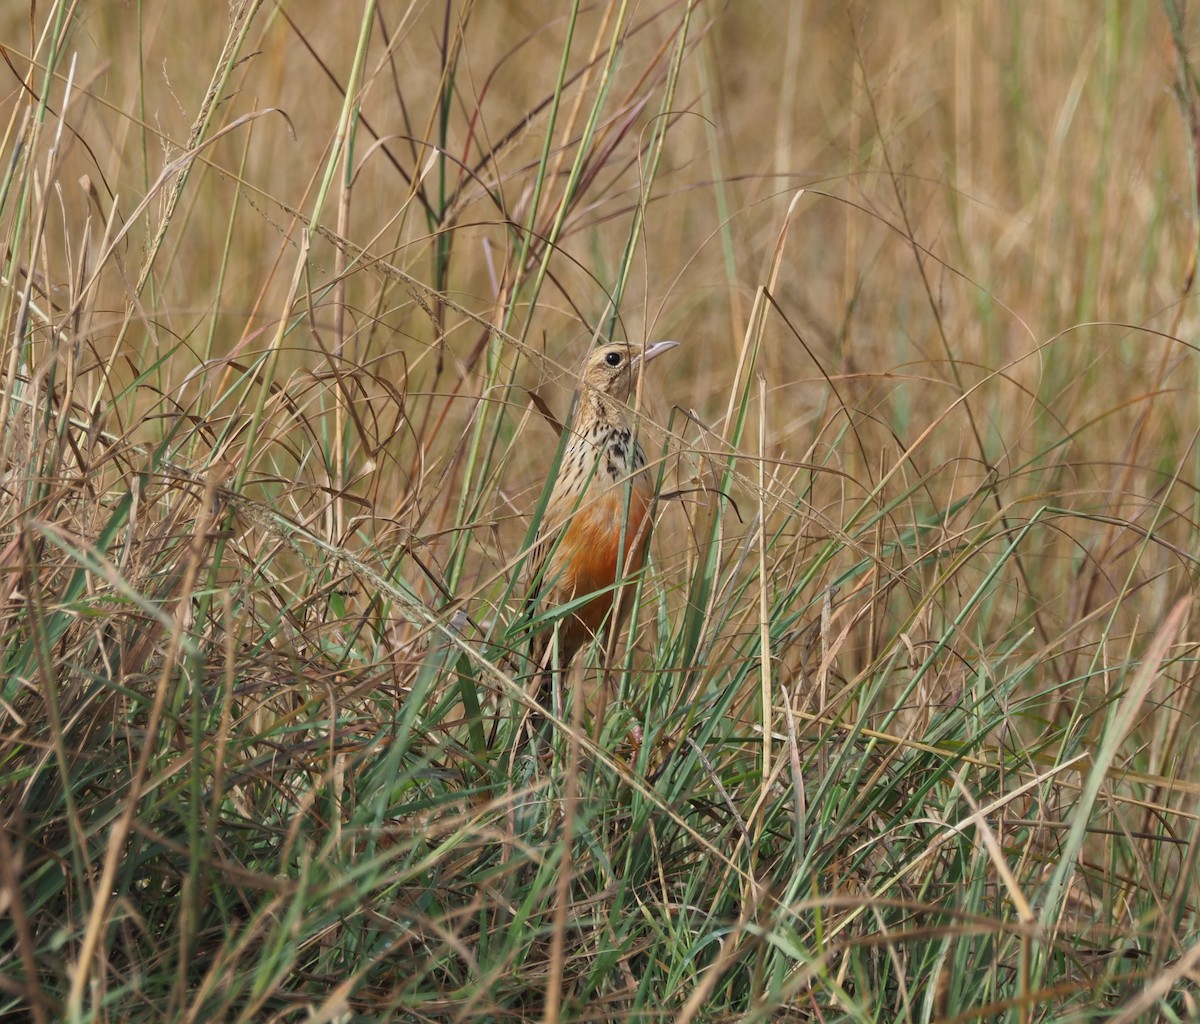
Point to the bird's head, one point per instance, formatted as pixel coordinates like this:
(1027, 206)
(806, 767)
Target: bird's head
(612, 369)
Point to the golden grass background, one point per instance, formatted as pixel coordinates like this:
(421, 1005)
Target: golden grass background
(938, 255)
(1037, 158)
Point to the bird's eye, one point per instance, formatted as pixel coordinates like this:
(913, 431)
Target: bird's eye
(613, 359)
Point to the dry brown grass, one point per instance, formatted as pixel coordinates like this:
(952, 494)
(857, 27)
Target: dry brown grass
(267, 431)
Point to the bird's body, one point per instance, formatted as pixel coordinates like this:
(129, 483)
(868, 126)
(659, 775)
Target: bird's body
(596, 527)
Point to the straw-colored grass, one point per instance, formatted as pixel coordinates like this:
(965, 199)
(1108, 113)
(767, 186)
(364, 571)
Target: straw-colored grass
(902, 727)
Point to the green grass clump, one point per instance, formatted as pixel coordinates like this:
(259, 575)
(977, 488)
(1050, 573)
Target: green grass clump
(902, 728)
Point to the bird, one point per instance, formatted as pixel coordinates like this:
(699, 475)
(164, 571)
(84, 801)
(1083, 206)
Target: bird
(597, 518)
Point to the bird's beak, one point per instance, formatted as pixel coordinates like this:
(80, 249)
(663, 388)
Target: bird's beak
(657, 349)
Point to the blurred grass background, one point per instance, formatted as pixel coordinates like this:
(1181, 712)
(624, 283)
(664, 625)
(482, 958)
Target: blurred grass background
(903, 727)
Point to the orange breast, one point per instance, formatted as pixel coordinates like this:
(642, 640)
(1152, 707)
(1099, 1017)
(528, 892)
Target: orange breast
(586, 558)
